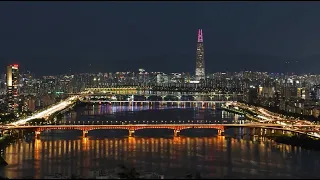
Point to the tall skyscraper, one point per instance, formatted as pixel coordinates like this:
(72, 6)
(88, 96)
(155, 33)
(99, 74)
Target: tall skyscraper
(12, 87)
(200, 71)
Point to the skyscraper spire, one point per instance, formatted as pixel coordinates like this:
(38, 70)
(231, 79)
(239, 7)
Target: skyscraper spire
(200, 66)
(200, 36)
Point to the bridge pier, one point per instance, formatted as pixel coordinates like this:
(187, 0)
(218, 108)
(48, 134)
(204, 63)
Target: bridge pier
(268, 132)
(20, 133)
(220, 132)
(277, 131)
(235, 131)
(259, 131)
(37, 134)
(84, 133)
(254, 131)
(272, 131)
(131, 133)
(176, 133)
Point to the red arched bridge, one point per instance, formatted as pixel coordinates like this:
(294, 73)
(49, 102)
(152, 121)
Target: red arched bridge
(176, 127)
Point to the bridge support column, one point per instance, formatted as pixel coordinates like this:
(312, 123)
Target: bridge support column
(85, 133)
(37, 134)
(268, 132)
(20, 133)
(220, 132)
(235, 131)
(176, 133)
(260, 131)
(253, 131)
(131, 133)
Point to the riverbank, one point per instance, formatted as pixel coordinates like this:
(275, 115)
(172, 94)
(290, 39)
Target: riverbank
(231, 110)
(247, 114)
(302, 141)
(2, 162)
(4, 142)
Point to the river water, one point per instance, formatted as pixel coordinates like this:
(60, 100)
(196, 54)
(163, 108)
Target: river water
(157, 150)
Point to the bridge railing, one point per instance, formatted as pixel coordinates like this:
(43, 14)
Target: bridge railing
(138, 122)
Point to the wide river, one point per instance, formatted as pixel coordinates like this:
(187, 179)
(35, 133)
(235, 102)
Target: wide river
(213, 156)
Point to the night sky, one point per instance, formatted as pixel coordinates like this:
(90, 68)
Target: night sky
(50, 38)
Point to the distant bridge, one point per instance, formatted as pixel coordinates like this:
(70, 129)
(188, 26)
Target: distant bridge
(157, 102)
(154, 92)
(164, 97)
(164, 88)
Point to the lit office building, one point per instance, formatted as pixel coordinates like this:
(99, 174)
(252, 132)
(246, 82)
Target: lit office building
(12, 87)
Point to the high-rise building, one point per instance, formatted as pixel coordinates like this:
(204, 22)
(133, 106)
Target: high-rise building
(200, 71)
(12, 87)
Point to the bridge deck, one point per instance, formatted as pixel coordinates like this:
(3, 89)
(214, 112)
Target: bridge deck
(162, 125)
(170, 126)
(159, 101)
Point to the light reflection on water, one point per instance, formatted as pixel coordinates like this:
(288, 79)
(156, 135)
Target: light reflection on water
(141, 114)
(214, 157)
(217, 157)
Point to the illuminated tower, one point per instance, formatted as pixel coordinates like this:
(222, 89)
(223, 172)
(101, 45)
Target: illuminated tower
(200, 72)
(12, 87)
